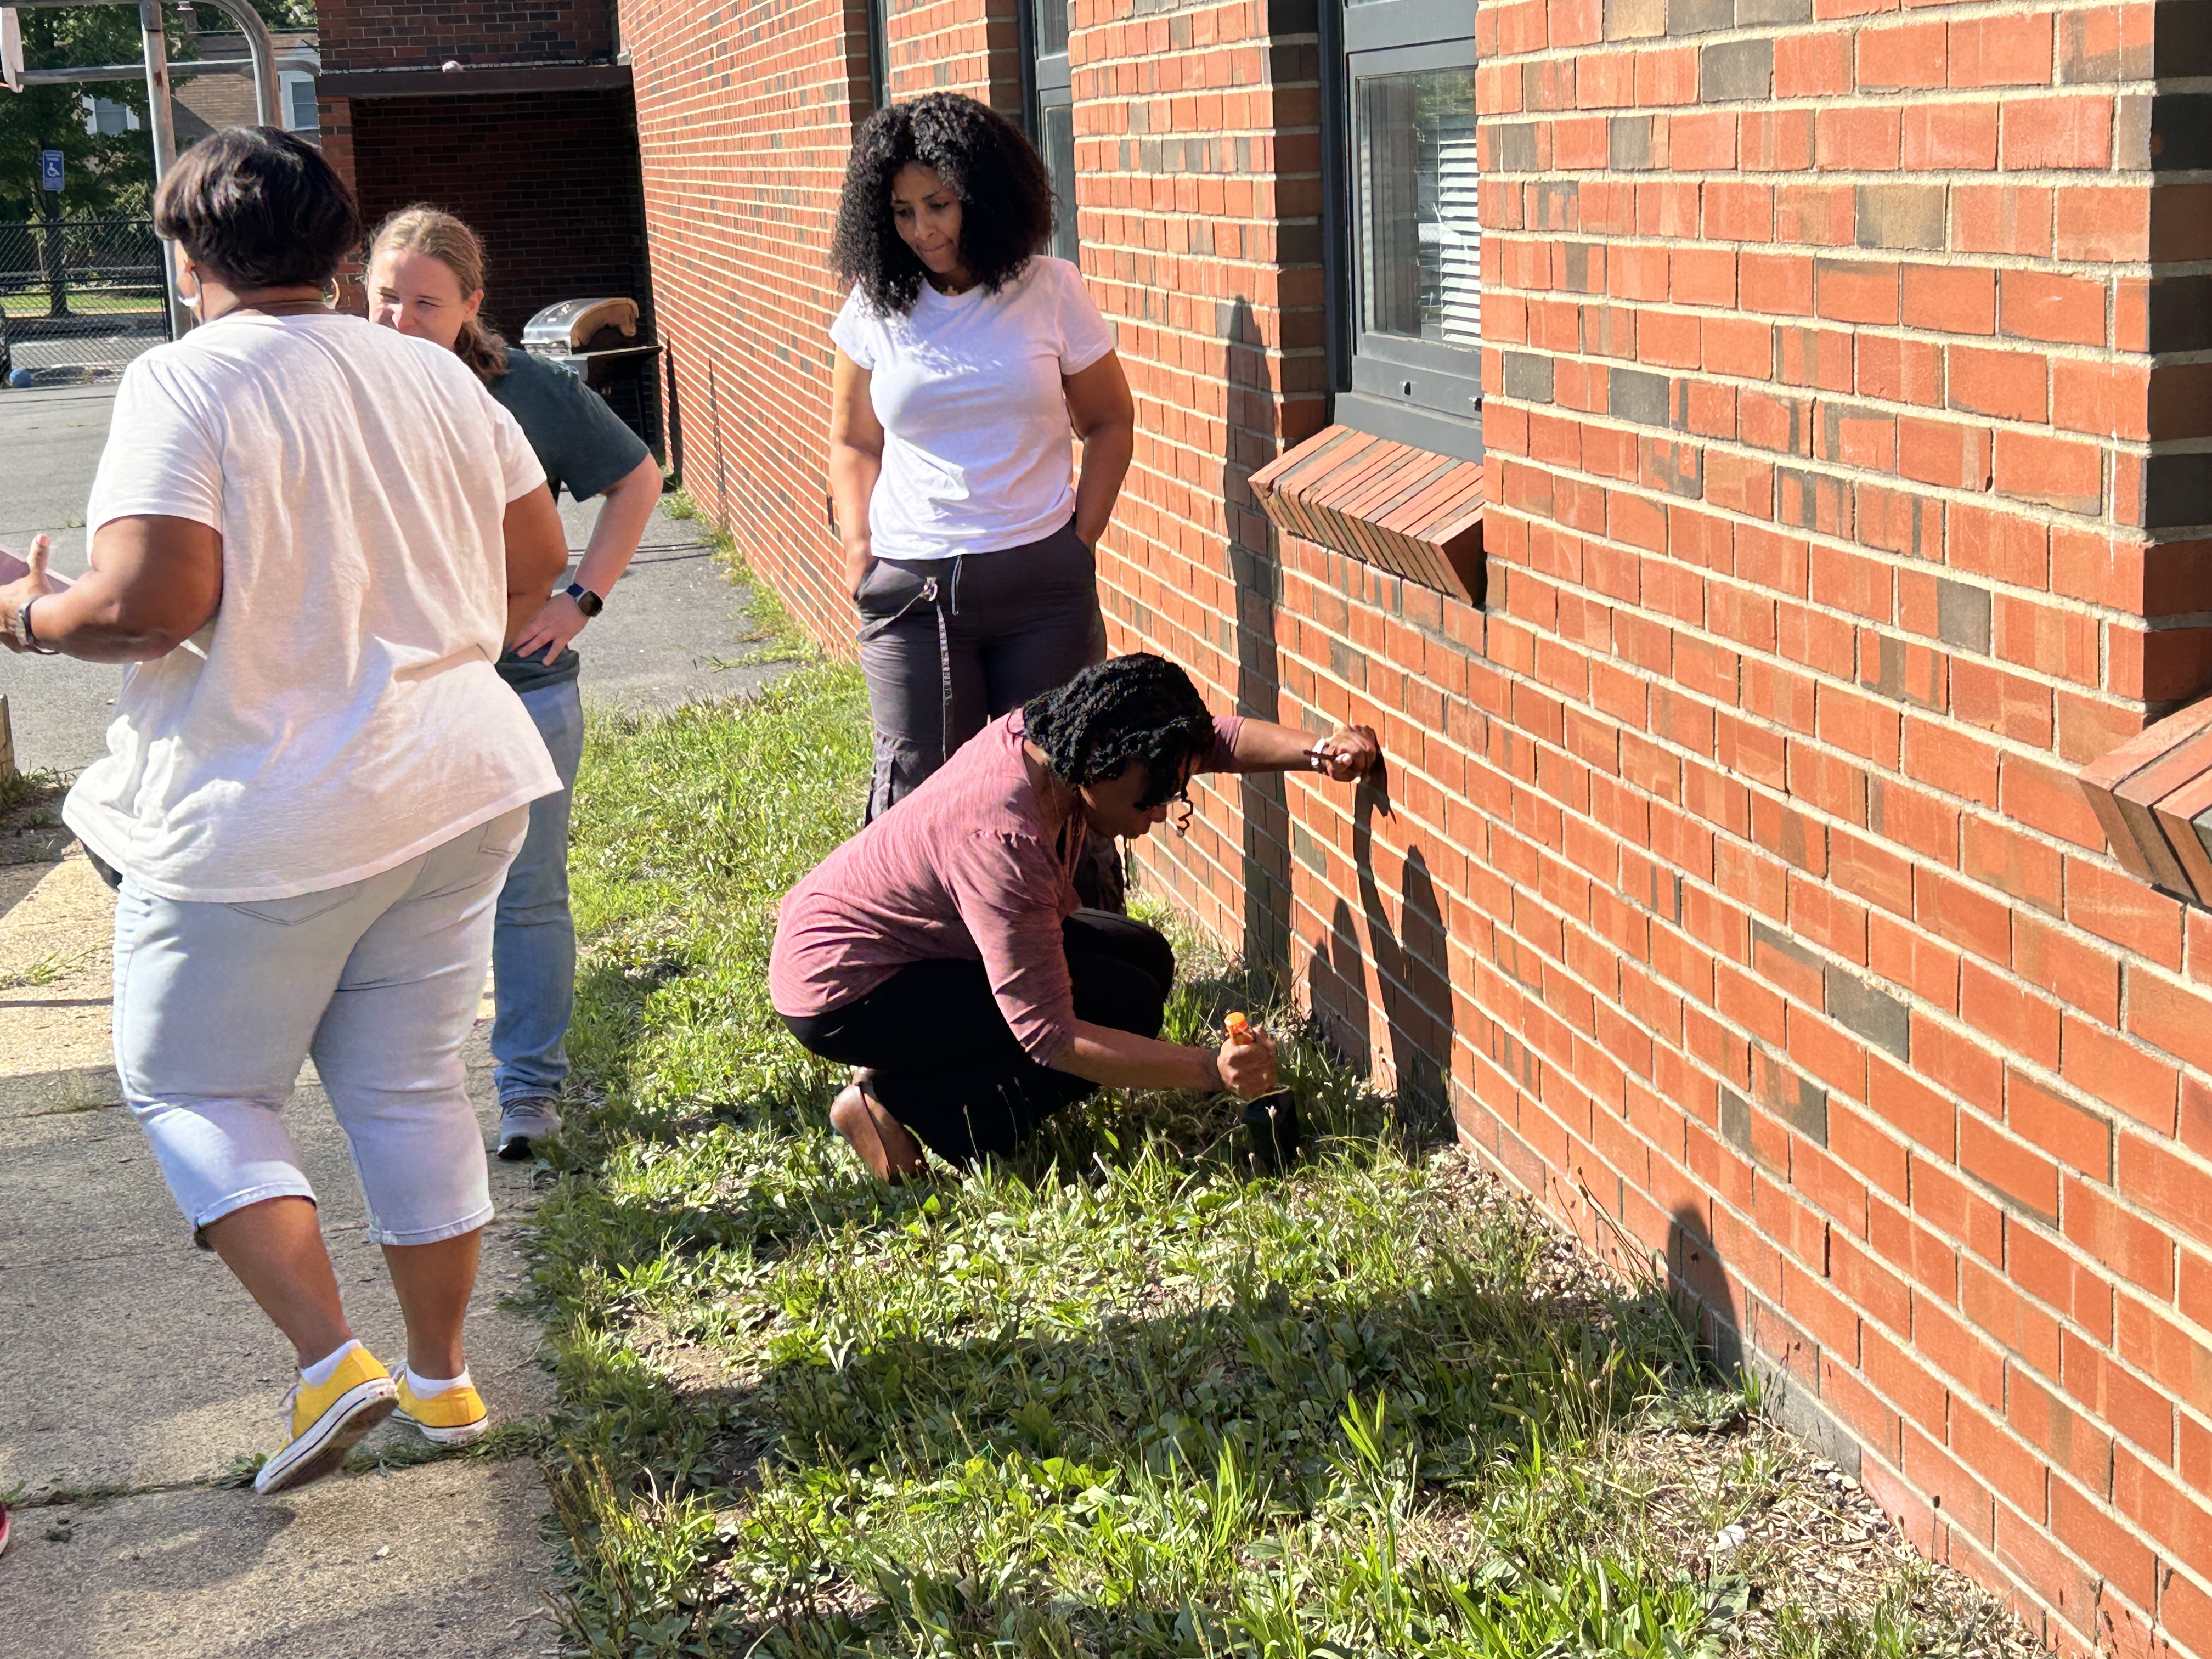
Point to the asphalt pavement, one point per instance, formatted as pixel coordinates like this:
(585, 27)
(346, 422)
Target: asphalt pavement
(672, 632)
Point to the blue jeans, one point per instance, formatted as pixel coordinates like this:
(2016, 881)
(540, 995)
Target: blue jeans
(533, 944)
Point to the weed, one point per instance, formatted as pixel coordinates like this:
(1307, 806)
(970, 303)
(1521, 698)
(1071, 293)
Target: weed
(53, 966)
(21, 789)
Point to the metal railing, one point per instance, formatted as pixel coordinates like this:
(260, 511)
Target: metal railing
(79, 298)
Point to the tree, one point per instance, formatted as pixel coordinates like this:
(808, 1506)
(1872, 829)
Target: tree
(102, 172)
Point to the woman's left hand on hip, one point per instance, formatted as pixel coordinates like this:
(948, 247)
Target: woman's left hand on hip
(557, 622)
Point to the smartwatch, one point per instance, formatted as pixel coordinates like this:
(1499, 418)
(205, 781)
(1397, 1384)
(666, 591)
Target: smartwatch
(586, 601)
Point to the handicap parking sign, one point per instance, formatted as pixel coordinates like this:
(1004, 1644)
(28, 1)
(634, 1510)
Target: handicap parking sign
(49, 170)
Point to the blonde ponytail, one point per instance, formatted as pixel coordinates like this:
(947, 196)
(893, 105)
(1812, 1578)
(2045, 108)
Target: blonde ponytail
(434, 232)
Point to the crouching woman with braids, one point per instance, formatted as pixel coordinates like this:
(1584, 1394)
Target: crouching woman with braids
(941, 950)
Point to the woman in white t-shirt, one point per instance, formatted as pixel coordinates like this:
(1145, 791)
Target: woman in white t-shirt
(310, 539)
(968, 360)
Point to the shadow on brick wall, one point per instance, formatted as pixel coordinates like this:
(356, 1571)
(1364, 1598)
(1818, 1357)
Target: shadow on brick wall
(1257, 576)
(1412, 968)
(1701, 1289)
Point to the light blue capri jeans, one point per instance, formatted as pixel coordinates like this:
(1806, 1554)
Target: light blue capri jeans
(216, 1005)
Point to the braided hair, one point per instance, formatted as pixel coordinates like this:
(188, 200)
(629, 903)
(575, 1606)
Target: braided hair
(1140, 710)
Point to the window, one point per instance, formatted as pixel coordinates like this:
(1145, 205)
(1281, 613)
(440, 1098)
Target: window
(1052, 110)
(298, 96)
(879, 52)
(105, 115)
(1408, 277)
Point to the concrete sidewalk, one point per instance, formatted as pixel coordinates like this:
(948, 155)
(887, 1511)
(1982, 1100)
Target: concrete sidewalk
(134, 1373)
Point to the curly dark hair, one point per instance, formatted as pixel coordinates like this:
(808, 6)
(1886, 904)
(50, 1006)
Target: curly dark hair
(1140, 708)
(1006, 196)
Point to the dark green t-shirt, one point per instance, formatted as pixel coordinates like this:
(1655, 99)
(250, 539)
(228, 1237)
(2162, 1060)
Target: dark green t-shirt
(580, 443)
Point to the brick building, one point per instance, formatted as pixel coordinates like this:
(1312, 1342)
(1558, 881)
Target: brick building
(516, 117)
(1837, 488)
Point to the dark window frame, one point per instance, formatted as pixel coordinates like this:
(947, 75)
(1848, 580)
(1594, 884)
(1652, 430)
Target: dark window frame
(1048, 101)
(1371, 375)
(879, 53)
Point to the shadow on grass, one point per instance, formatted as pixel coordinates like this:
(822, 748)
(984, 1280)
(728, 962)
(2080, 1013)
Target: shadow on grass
(1141, 1486)
(1031, 1472)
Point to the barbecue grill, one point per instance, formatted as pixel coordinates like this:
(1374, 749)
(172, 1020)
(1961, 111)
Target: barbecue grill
(600, 341)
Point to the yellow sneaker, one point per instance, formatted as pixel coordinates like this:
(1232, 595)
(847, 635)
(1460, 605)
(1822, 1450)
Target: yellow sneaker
(452, 1417)
(327, 1421)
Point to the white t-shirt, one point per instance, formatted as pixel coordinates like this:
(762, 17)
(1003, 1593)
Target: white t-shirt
(341, 714)
(977, 452)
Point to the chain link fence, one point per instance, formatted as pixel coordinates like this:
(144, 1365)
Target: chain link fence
(79, 298)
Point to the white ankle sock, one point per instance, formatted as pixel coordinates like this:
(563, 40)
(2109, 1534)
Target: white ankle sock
(325, 1368)
(424, 1387)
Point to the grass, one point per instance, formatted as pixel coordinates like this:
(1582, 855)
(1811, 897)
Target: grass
(1120, 1396)
(32, 303)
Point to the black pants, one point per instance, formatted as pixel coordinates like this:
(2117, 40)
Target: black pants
(946, 1064)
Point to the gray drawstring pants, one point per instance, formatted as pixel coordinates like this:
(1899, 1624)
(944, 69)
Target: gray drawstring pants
(949, 645)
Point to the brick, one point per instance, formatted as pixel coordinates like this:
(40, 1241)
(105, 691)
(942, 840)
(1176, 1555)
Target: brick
(2039, 305)
(2078, 1138)
(1736, 71)
(1892, 59)
(2065, 473)
(1949, 137)
(1858, 291)
(1946, 452)
(1857, 138)
(1869, 1011)
(2012, 385)
(2006, 218)
(1901, 216)
(2015, 50)
(2018, 1172)
(1952, 299)
(2057, 132)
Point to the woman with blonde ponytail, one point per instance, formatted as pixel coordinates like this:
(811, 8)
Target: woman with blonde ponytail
(426, 277)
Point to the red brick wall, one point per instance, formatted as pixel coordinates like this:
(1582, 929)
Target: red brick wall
(368, 34)
(549, 180)
(743, 126)
(1731, 877)
(1199, 184)
(1817, 355)
(956, 46)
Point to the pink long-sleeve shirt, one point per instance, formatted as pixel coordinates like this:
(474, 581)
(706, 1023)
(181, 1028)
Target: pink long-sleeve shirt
(964, 867)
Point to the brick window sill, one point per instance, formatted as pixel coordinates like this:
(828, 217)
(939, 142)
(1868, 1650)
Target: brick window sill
(1416, 514)
(2153, 795)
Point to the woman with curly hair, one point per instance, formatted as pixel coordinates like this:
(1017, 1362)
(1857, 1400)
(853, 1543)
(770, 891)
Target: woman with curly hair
(967, 358)
(942, 950)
